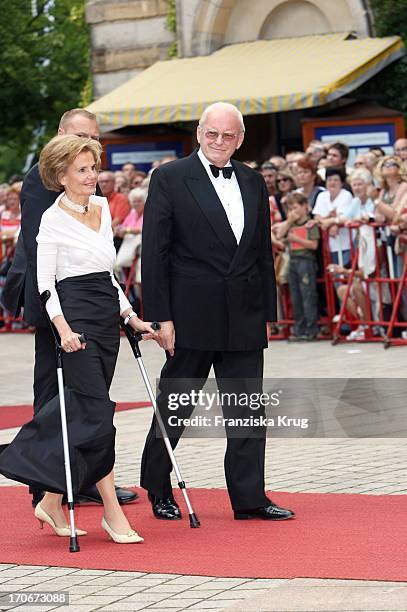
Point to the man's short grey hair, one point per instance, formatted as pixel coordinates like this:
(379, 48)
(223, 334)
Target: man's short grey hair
(74, 112)
(226, 106)
(361, 174)
(138, 193)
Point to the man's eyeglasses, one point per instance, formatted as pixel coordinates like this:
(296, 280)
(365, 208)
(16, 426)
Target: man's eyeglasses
(400, 149)
(226, 136)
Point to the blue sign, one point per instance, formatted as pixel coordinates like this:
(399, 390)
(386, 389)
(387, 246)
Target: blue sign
(359, 138)
(142, 154)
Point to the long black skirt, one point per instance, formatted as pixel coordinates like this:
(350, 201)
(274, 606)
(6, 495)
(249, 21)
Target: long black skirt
(35, 457)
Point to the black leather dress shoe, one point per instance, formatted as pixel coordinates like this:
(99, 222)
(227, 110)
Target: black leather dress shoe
(92, 496)
(272, 512)
(165, 507)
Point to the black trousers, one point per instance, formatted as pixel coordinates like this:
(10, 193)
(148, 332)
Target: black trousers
(244, 458)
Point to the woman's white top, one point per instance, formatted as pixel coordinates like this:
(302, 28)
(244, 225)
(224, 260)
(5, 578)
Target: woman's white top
(342, 207)
(67, 247)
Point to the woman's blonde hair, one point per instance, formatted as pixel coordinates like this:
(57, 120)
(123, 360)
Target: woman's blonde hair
(60, 153)
(379, 167)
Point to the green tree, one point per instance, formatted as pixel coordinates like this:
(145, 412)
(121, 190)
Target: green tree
(388, 87)
(44, 70)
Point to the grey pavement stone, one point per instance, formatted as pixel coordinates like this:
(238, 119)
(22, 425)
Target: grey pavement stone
(261, 583)
(122, 605)
(34, 608)
(128, 592)
(322, 598)
(112, 580)
(216, 585)
(168, 588)
(16, 571)
(97, 600)
(93, 572)
(26, 579)
(175, 603)
(75, 608)
(204, 594)
(192, 580)
(164, 609)
(209, 604)
(239, 594)
(55, 571)
(147, 582)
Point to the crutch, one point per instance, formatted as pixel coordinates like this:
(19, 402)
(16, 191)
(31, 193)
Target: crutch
(134, 338)
(73, 540)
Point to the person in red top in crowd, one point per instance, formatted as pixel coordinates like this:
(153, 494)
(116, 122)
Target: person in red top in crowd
(118, 202)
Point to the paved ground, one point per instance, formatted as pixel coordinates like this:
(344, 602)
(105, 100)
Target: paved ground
(374, 466)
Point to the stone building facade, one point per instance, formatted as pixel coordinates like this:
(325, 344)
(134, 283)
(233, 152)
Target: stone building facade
(128, 36)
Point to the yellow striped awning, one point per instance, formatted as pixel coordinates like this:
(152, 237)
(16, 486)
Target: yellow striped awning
(264, 76)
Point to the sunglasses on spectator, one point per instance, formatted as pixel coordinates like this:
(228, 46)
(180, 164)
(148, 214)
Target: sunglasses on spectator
(390, 164)
(280, 180)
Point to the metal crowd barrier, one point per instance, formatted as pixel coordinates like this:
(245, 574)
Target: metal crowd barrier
(391, 291)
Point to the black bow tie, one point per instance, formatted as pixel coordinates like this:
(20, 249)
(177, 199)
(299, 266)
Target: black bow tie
(227, 171)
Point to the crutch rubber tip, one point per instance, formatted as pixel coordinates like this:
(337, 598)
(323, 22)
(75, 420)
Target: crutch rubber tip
(73, 544)
(193, 521)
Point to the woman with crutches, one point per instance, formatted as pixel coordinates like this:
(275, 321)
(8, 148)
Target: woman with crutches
(75, 249)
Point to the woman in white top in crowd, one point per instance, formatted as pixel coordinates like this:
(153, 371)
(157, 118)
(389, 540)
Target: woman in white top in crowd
(75, 263)
(331, 209)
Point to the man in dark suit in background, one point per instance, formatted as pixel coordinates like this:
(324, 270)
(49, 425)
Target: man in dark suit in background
(208, 277)
(35, 200)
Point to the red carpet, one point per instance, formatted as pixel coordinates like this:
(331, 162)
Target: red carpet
(16, 416)
(335, 536)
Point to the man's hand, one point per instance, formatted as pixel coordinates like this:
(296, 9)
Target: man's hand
(166, 336)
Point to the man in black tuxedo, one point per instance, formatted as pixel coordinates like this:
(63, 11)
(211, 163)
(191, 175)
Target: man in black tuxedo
(21, 285)
(208, 277)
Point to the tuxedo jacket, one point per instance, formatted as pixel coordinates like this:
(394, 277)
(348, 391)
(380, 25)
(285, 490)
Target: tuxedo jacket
(21, 284)
(218, 293)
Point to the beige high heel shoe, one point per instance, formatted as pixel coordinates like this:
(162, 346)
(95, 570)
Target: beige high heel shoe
(131, 537)
(44, 517)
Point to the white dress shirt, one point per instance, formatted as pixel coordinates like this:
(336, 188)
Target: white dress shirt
(67, 247)
(228, 191)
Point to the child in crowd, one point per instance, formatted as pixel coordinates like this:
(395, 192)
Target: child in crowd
(302, 239)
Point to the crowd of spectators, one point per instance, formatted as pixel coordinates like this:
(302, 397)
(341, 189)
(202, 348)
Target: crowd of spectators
(316, 198)
(346, 203)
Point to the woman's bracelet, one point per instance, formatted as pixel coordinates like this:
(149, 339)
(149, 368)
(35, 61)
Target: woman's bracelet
(129, 316)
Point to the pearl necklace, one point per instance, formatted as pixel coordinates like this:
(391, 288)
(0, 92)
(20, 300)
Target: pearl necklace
(79, 208)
